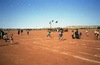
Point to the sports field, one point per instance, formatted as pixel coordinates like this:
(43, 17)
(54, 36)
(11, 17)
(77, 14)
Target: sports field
(38, 49)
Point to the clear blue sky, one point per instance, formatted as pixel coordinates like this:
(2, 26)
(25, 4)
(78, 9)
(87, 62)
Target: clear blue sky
(38, 13)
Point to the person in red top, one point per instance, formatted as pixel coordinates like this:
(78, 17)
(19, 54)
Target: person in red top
(11, 38)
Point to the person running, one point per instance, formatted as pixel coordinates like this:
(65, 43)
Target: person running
(77, 35)
(11, 38)
(61, 34)
(27, 31)
(87, 33)
(80, 34)
(5, 37)
(49, 33)
(95, 34)
(98, 34)
(2, 34)
(73, 34)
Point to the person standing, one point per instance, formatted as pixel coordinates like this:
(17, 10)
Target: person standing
(80, 34)
(27, 31)
(18, 31)
(5, 37)
(2, 34)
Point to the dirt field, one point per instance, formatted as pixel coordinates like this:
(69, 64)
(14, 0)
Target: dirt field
(38, 49)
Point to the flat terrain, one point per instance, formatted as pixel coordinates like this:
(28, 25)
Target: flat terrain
(38, 49)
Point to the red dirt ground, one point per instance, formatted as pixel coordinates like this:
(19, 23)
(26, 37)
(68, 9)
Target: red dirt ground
(38, 49)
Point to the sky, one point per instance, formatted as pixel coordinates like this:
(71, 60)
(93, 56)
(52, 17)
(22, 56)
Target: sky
(38, 13)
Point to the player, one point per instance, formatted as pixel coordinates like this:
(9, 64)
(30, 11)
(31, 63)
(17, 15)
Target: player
(49, 33)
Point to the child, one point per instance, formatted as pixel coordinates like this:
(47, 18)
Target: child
(87, 33)
(95, 32)
(27, 31)
(21, 31)
(5, 37)
(97, 35)
(61, 34)
(80, 34)
(18, 31)
(73, 34)
(11, 38)
(49, 33)
(77, 34)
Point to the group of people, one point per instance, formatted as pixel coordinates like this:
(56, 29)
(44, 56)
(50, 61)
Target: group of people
(20, 31)
(60, 35)
(75, 34)
(6, 37)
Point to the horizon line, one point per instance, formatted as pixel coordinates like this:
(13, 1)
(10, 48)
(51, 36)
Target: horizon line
(52, 27)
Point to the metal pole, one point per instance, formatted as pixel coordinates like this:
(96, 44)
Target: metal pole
(50, 24)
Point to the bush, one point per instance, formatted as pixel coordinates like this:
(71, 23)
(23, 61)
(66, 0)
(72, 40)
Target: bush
(98, 27)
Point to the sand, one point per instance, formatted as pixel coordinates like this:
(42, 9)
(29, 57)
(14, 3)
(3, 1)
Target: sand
(38, 49)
